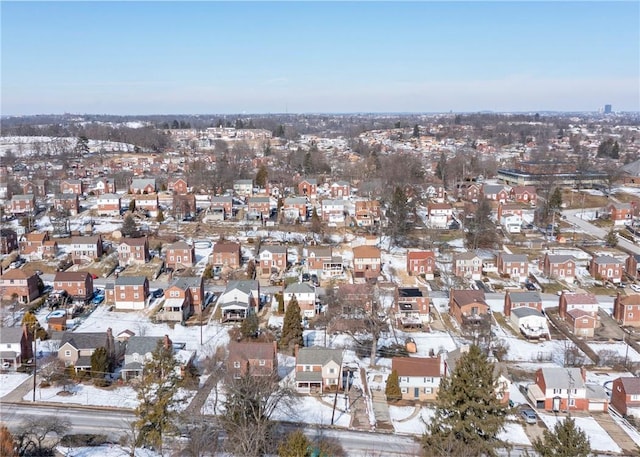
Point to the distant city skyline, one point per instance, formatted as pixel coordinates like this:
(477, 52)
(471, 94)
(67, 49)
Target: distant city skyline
(300, 57)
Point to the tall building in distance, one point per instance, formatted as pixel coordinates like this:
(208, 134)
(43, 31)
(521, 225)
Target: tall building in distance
(607, 109)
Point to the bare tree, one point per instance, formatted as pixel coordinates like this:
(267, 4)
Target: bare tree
(40, 435)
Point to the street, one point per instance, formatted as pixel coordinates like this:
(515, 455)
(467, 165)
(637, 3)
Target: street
(573, 217)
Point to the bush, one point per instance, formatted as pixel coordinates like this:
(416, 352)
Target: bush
(101, 382)
(83, 439)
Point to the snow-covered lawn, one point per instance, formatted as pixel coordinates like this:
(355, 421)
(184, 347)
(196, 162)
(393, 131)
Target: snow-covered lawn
(514, 433)
(9, 381)
(598, 437)
(620, 349)
(310, 410)
(405, 419)
(107, 450)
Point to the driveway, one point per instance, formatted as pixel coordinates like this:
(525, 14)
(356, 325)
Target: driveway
(573, 217)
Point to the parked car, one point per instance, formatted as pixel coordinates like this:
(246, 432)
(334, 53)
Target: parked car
(530, 286)
(529, 416)
(635, 287)
(119, 269)
(97, 299)
(157, 293)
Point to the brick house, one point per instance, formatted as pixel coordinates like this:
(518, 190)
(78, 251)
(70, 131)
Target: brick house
(130, 292)
(368, 213)
(148, 203)
(516, 266)
(184, 204)
(421, 263)
(134, 251)
(419, 377)
(439, 215)
(243, 187)
(195, 284)
(367, 262)
(8, 240)
(469, 191)
(108, 204)
(221, 208)
(620, 213)
(565, 389)
(524, 194)
(321, 262)
(308, 188)
(467, 265)
(226, 254)
(412, 307)
(67, 203)
(178, 186)
(85, 249)
(631, 265)
(273, 259)
(239, 299)
(318, 369)
(15, 346)
(71, 186)
(606, 268)
(580, 311)
(259, 359)
(143, 186)
(22, 204)
(180, 255)
(558, 266)
(495, 192)
(258, 207)
(78, 284)
(625, 394)
(76, 348)
(467, 306)
(528, 299)
(20, 283)
(177, 305)
(626, 310)
(305, 295)
(105, 186)
(340, 190)
(295, 208)
(333, 211)
(32, 244)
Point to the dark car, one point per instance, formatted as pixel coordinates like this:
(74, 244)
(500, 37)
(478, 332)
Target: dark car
(306, 277)
(530, 286)
(157, 293)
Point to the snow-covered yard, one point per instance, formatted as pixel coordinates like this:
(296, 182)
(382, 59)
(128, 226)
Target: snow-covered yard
(107, 450)
(598, 437)
(9, 381)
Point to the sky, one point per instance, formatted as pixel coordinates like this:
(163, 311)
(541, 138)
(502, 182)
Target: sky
(311, 57)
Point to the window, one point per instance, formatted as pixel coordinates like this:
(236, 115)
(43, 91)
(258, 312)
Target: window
(427, 390)
(122, 296)
(136, 295)
(236, 364)
(557, 391)
(572, 402)
(307, 368)
(332, 370)
(67, 353)
(262, 363)
(404, 390)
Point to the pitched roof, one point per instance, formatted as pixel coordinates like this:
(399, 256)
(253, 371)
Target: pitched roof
(318, 356)
(417, 366)
(299, 288)
(525, 297)
(563, 378)
(420, 255)
(16, 273)
(560, 258)
(134, 241)
(11, 335)
(525, 311)
(226, 246)
(187, 282)
(367, 252)
(274, 249)
(464, 297)
(71, 276)
(514, 257)
(631, 385)
(87, 340)
(179, 245)
(130, 280)
(409, 292)
(142, 344)
(580, 299)
(607, 260)
(245, 286)
(252, 351)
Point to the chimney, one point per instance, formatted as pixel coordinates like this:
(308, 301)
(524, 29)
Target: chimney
(583, 373)
(275, 349)
(166, 342)
(295, 350)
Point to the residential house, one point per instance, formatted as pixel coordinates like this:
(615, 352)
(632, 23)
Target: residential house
(195, 284)
(78, 284)
(226, 254)
(239, 299)
(178, 186)
(108, 205)
(143, 186)
(8, 241)
(134, 251)
(620, 213)
(221, 208)
(412, 307)
(495, 192)
(258, 208)
(333, 211)
(76, 348)
(130, 292)
(580, 310)
(531, 323)
(421, 263)
(367, 262)
(15, 346)
(565, 389)
(295, 208)
(436, 193)
(32, 244)
(243, 187)
(368, 213)
(559, 266)
(139, 351)
(180, 255)
(321, 262)
(305, 295)
(439, 215)
(528, 299)
(256, 358)
(355, 299)
(71, 186)
(632, 265)
(419, 377)
(272, 259)
(510, 216)
(467, 306)
(606, 268)
(625, 395)
(626, 310)
(308, 188)
(177, 305)
(467, 265)
(66, 204)
(22, 205)
(468, 191)
(524, 194)
(340, 190)
(318, 369)
(18, 283)
(514, 266)
(184, 205)
(105, 186)
(147, 203)
(85, 249)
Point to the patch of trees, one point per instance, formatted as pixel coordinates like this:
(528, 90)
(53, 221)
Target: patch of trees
(609, 148)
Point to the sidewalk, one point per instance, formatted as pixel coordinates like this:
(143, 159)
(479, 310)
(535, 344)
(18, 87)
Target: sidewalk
(17, 394)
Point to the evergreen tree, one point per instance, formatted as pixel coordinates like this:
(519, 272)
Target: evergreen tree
(129, 227)
(292, 326)
(156, 395)
(31, 321)
(160, 216)
(615, 150)
(316, 222)
(262, 176)
(565, 440)
(249, 326)
(468, 414)
(555, 201)
(612, 238)
(397, 213)
(100, 363)
(416, 131)
(82, 145)
(132, 205)
(441, 169)
(392, 389)
(295, 445)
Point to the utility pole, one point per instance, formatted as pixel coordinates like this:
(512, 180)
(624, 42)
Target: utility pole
(35, 358)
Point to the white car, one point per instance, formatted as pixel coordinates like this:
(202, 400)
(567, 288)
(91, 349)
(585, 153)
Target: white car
(635, 287)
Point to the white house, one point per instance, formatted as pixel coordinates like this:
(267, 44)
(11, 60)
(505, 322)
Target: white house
(108, 205)
(305, 295)
(530, 322)
(333, 211)
(239, 299)
(512, 223)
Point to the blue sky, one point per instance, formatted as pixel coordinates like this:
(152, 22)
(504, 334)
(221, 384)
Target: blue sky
(261, 57)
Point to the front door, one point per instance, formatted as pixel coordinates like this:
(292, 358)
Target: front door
(416, 392)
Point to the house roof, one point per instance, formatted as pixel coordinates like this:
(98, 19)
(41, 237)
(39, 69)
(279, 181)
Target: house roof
(417, 366)
(560, 258)
(368, 252)
(227, 246)
(140, 183)
(130, 280)
(525, 297)
(319, 251)
(632, 168)
(299, 288)
(562, 378)
(409, 292)
(142, 344)
(187, 282)
(631, 385)
(16, 273)
(580, 299)
(134, 241)
(318, 356)
(86, 340)
(466, 256)
(252, 351)
(274, 249)
(109, 197)
(420, 255)
(178, 245)
(11, 335)
(309, 376)
(607, 260)
(86, 239)
(464, 297)
(525, 311)
(579, 314)
(492, 188)
(71, 276)
(514, 258)
(246, 286)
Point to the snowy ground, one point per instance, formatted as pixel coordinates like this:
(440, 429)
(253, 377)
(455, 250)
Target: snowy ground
(620, 348)
(108, 450)
(310, 410)
(9, 381)
(599, 438)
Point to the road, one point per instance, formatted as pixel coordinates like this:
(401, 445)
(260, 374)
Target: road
(573, 217)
